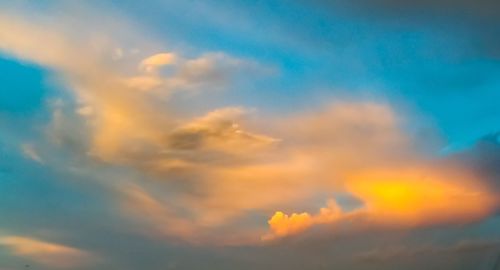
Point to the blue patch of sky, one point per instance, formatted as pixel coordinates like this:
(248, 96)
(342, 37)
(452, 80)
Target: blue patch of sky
(23, 87)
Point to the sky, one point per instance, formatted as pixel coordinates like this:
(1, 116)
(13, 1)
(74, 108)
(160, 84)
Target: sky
(214, 135)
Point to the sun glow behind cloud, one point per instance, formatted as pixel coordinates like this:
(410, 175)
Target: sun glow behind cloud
(423, 196)
(400, 198)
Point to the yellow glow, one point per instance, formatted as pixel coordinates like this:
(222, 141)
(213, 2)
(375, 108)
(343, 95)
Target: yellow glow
(400, 197)
(420, 196)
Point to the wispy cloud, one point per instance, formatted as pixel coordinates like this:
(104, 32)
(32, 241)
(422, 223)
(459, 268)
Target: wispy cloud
(46, 253)
(30, 152)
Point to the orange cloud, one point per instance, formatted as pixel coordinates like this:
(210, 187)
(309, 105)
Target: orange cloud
(401, 197)
(420, 196)
(282, 225)
(46, 253)
(153, 62)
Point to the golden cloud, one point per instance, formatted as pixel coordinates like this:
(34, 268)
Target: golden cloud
(46, 253)
(403, 198)
(419, 196)
(153, 62)
(282, 225)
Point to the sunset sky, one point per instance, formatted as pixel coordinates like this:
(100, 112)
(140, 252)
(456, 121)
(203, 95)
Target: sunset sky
(249, 135)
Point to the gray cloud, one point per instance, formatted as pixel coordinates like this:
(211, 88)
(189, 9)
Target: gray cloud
(476, 8)
(476, 22)
(484, 157)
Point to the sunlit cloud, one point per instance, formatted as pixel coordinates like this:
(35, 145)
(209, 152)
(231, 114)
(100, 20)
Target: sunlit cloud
(46, 253)
(198, 177)
(153, 62)
(420, 196)
(401, 198)
(282, 225)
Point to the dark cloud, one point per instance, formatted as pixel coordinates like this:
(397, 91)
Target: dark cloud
(463, 247)
(484, 157)
(475, 22)
(475, 8)
(483, 10)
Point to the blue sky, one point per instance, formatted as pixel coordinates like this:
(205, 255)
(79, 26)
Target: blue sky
(249, 135)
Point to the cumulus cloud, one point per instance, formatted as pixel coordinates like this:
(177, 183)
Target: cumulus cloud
(283, 225)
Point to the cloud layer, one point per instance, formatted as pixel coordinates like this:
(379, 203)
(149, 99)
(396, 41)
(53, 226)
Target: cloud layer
(228, 179)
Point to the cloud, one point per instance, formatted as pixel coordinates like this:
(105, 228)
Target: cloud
(457, 249)
(404, 197)
(353, 147)
(216, 68)
(210, 70)
(215, 176)
(218, 130)
(474, 21)
(157, 215)
(118, 119)
(422, 196)
(46, 253)
(483, 158)
(282, 225)
(481, 8)
(30, 152)
(156, 61)
(168, 219)
(144, 82)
